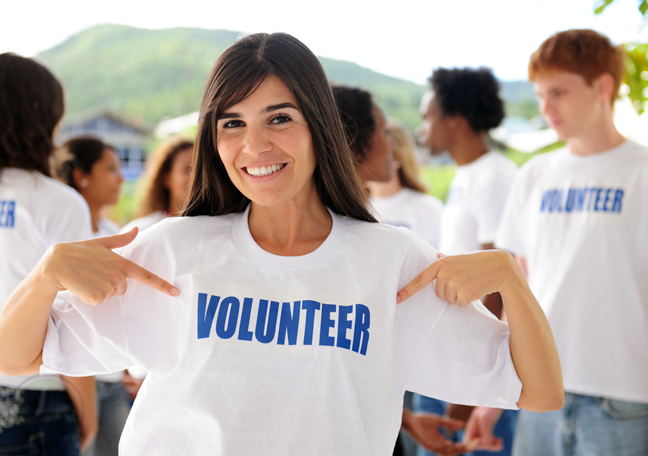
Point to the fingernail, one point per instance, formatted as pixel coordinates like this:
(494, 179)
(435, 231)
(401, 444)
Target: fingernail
(174, 291)
(398, 298)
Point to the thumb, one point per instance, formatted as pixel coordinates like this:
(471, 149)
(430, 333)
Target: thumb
(118, 240)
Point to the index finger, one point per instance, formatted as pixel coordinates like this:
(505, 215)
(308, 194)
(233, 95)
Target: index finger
(420, 281)
(136, 272)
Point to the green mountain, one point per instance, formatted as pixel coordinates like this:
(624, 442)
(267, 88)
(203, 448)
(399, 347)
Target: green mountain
(153, 74)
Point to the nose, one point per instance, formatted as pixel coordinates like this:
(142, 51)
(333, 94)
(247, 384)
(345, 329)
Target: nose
(256, 140)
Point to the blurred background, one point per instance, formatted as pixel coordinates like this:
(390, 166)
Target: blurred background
(134, 71)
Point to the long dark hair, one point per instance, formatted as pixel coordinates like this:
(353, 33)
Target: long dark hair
(31, 105)
(81, 152)
(236, 74)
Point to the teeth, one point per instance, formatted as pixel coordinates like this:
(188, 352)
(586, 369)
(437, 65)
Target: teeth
(264, 170)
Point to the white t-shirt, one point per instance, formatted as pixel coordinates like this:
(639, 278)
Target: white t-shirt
(36, 212)
(581, 222)
(145, 222)
(475, 203)
(417, 211)
(273, 355)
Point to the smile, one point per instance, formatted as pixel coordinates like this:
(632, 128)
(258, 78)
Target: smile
(264, 170)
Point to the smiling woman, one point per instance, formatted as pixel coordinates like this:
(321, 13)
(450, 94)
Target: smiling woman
(279, 331)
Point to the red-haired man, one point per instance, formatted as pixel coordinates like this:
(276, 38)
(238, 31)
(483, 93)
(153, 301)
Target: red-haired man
(578, 219)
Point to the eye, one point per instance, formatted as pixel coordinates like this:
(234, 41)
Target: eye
(232, 124)
(280, 119)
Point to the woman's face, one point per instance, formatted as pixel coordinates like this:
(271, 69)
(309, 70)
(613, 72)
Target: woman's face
(266, 146)
(104, 181)
(177, 179)
(377, 163)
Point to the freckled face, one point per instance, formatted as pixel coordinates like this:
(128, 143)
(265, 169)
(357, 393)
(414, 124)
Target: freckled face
(266, 146)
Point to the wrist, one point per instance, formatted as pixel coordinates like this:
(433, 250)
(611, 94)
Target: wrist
(46, 270)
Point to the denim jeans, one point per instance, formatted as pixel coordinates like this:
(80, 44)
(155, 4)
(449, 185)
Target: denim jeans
(586, 426)
(112, 409)
(38, 423)
(505, 427)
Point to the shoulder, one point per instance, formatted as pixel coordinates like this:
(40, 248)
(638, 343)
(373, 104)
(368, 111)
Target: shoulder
(636, 152)
(145, 222)
(107, 227)
(55, 192)
(425, 200)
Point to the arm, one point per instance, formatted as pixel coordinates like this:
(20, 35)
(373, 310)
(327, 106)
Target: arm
(82, 391)
(462, 279)
(88, 269)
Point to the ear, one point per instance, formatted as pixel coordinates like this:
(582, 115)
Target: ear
(77, 176)
(604, 86)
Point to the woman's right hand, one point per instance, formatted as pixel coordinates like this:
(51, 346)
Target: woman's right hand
(93, 272)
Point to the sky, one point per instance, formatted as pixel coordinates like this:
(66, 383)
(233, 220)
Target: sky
(401, 38)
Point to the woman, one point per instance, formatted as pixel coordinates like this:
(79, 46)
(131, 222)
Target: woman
(38, 414)
(276, 233)
(165, 183)
(403, 201)
(92, 169)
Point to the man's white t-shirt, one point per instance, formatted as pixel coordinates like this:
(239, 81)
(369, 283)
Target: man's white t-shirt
(408, 208)
(36, 212)
(581, 222)
(475, 203)
(274, 355)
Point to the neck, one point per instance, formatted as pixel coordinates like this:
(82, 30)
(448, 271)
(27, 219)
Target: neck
(468, 147)
(384, 189)
(175, 206)
(292, 228)
(601, 136)
(95, 215)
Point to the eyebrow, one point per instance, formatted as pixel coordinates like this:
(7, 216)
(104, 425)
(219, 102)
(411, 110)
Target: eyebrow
(271, 108)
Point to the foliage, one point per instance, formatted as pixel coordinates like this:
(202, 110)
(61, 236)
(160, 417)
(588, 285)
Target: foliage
(603, 4)
(636, 76)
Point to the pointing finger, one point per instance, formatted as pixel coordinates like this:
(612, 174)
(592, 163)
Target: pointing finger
(149, 279)
(118, 240)
(420, 281)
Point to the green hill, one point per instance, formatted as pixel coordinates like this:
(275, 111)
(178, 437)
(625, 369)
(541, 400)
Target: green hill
(152, 74)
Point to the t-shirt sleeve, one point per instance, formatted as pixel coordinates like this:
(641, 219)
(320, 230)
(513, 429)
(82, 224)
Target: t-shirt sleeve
(510, 235)
(467, 360)
(65, 218)
(84, 340)
(488, 208)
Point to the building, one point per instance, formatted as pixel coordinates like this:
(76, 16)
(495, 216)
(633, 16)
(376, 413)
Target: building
(127, 138)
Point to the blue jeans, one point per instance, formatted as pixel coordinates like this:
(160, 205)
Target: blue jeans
(586, 426)
(38, 423)
(112, 410)
(505, 427)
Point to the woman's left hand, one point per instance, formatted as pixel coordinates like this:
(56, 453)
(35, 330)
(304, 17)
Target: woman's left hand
(462, 279)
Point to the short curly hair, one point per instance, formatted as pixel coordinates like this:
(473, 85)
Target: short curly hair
(470, 93)
(356, 110)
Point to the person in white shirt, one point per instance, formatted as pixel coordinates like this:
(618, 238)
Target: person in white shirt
(403, 200)
(578, 219)
(283, 330)
(38, 414)
(459, 111)
(164, 184)
(92, 168)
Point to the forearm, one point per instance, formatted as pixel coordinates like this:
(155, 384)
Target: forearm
(533, 348)
(82, 391)
(23, 325)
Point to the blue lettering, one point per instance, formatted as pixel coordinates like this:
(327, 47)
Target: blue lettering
(9, 220)
(607, 198)
(591, 201)
(546, 197)
(263, 334)
(311, 307)
(206, 314)
(571, 196)
(326, 324)
(618, 198)
(344, 324)
(598, 198)
(2, 206)
(581, 198)
(555, 201)
(244, 329)
(289, 323)
(229, 306)
(361, 329)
